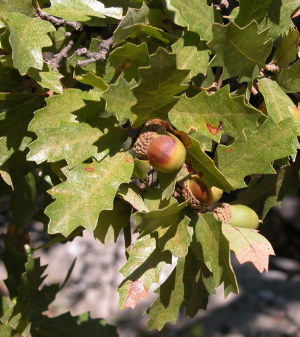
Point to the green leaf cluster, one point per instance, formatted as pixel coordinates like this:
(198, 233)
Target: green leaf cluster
(225, 81)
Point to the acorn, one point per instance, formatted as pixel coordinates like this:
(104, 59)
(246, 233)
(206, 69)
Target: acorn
(165, 152)
(236, 215)
(200, 195)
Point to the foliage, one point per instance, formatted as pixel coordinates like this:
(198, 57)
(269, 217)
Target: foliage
(79, 79)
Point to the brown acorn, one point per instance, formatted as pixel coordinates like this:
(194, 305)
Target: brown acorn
(165, 152)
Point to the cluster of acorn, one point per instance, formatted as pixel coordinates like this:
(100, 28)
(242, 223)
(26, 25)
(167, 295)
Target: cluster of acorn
(166, 153)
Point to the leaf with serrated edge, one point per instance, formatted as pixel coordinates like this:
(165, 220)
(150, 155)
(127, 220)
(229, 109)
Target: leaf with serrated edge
(278, 18)
(111, 222)
(27, 38)
(82, 10)
(287, 49)
(149, 222)
(213, 248)
(176, 238)
(240, 51)
(251, 10)
(196, 15)
(141, 270)
(159, 83)
(139, 22)
(89, 189)
(278, 103)
(132, 194)
(73, 142)
(254, 153)
(128, 58)
(289, 79)
(249, 246)
(191, 58)
(60, 108)
(213, 115)
(201, 162)
(171, 295)
(119, 100)
(47, 78)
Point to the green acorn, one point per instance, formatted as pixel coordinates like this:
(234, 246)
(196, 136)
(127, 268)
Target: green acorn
(236, 215)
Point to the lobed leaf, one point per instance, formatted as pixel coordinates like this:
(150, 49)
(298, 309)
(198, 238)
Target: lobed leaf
(260, 148)
(240, 51)
(89, 189)
(28, 36)
(158, 85)
(249, 246)
(213, 115)
(141, 270)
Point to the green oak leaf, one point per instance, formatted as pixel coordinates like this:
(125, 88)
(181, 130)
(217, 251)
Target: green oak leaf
(289, 79)
(206, 167)
(212, 248)
(190, 55)
(31, 300)
(132, 194)
(141, 270)
(176, 238)
(249, 246)
(128, 58)
(199, 283)
(82, 10)
(91, 79)
(18, 6)
(250, 10)
(277, 103)
(287, 49)
(73, 142)
(165, 217)
(111, 222)
(213, 115)
(196, 15)
(47, 78)
(60, 108)
(159, 83)
(27, 38)
(142, 21)
(119, 100)
(171, 296)
(254, 153)
(88, 190)
(269, 190)
(70, 325)
(240, 51)
(278, 18)
(17, 111)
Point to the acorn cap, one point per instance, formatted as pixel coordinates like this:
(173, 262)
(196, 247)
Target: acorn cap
(143, 143)
(223, 213)
(194, 203)
(146, 137)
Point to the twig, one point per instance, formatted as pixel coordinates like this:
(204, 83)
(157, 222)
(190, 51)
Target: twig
(58, 21)
(54, 62)
(104, 47)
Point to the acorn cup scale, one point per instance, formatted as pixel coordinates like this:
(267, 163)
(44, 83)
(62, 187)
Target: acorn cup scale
(165, 152)
(237, 215)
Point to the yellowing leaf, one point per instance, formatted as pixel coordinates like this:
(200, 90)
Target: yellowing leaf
(249, 246)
